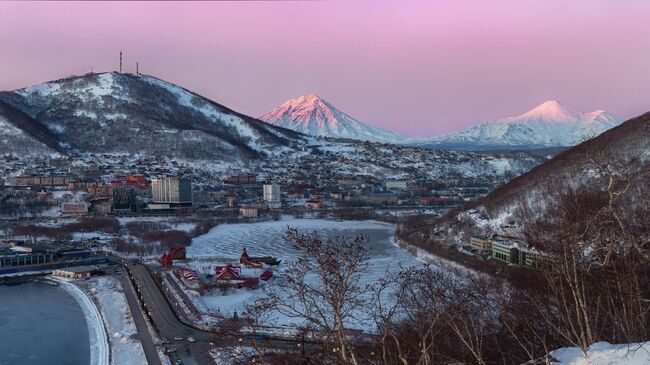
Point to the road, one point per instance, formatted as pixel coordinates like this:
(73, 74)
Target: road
(166, 322)
(169, 326)
(148, 345)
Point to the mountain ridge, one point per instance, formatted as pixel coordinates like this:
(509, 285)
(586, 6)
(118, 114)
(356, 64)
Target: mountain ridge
(549, 124)
(126, 113)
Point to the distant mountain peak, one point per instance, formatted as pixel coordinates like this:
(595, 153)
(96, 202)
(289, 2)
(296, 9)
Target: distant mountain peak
(549, 124)
(313, 115)
(550, 111)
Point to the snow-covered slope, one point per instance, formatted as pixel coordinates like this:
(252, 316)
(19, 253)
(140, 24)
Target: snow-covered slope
(315, 116)
(125, 113)
(550, 124)
(604, 353)
(624, 150)
(22, 136)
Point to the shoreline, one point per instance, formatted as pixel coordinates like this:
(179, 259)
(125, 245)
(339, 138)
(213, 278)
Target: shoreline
(98, 338)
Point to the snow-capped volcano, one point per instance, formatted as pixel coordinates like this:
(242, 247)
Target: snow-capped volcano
(550, 124)
(315, 116)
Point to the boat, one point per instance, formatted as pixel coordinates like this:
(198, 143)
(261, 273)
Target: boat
(269, 260)
(257, 261)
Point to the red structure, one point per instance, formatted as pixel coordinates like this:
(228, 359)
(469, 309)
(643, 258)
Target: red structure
(227, 272)
(189, 274)
(135, 181)
(246, 260)
(230, 276)
(166, 260)
(244, 256)
(178, 253)
(266, 275)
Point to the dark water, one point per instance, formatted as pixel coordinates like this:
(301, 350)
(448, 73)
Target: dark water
(41, 324)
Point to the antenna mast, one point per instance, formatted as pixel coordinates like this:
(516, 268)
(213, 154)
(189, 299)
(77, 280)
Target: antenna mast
(120, 61)
(137, 69)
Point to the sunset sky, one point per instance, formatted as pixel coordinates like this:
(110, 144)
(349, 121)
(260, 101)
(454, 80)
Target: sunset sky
(417, 67)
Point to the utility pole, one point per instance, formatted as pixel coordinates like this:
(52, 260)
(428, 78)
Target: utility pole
(120, 61)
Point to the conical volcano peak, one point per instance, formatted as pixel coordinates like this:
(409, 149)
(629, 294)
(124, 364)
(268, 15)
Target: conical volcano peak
(551, 110)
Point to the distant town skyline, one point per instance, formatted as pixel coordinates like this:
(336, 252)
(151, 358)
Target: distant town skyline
(420, 67)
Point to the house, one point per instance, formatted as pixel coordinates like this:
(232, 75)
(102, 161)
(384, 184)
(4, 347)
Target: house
(228, 272)
(230, 276)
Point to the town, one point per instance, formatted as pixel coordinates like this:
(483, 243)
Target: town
(76, 218)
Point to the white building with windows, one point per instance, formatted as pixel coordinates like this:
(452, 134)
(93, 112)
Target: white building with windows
(171, 190)
(272, 195)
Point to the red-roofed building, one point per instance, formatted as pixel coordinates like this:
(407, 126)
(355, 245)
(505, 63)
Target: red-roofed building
(178, 253)
(227, 272)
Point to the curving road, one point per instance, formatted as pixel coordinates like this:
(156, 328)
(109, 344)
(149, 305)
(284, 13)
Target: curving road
(169, 326)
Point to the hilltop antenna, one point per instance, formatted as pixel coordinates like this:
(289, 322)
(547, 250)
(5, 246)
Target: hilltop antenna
(120, 61)
(137, 69)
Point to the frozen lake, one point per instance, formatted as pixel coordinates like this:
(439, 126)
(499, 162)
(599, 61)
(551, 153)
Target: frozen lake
(267, 238)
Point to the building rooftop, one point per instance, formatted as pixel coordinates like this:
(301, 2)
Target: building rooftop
(78, 269)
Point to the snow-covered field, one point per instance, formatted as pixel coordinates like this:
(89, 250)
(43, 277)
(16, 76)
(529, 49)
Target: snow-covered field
(604, 353)
(267, 238)
(126, 348)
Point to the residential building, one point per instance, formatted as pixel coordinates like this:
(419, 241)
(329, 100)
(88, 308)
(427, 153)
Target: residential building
(172, 190)
(481, 244)
(241, 179)
(395, 184)
(248, 211)
(74, 208)
(272, 193)
(123, 197)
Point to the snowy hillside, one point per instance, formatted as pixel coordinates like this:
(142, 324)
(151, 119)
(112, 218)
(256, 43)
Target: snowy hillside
(315, 116)
(550, 124)
(126, 113)
(623, 150)
(26, 140)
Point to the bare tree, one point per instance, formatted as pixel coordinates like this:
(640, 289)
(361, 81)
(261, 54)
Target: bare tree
(322, 288)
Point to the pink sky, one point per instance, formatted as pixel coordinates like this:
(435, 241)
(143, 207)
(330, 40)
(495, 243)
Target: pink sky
(418, 67)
